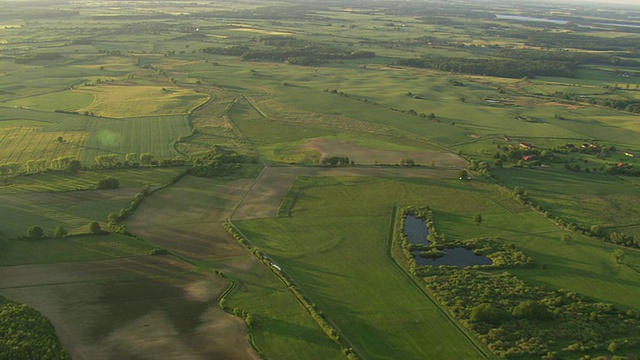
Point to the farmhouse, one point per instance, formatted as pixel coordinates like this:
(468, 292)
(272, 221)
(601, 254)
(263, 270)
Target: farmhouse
(629, 154)
(525, 145)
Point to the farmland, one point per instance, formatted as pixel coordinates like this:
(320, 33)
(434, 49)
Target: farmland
(229, 180)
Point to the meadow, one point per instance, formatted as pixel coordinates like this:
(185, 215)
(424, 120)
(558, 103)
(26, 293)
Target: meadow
(260, 95)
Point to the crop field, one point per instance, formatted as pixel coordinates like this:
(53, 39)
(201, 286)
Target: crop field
(154, 134)
(191, 226)
(122, 101)
(140, 306)
(21, 144)
(522, 129)
(136, 178)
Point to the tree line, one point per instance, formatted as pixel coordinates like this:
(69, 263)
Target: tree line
(289, 49)
(493, 67)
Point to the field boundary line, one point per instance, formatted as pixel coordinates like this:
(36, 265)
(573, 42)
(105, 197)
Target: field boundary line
(237, 129)
(255, 106)
(244, 196)
(438, 306)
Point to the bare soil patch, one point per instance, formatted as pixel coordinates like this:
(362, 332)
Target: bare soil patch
(136, 308)
(363, 155)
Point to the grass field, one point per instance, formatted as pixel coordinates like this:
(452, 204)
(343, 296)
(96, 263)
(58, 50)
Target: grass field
(586, 199)
(339, 230)
(71, 249)
(336, 249)
(73, 210)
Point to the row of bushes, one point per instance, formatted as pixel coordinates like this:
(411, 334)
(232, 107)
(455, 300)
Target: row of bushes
(311, 308)
(113, 219)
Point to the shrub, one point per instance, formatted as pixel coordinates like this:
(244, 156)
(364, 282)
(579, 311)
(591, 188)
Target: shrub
(94, 228)
(35, 232)
(59, 232)
(108, 183)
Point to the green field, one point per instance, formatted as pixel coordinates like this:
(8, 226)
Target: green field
(71, 249)
(542, 116)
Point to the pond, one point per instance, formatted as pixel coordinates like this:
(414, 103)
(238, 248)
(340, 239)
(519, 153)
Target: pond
(459, 257)
(417, 232)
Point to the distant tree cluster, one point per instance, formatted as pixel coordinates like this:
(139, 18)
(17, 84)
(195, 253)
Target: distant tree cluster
(289, 49)
(337, 161)
(26, 334)
(37, 57)
(514, 319)
(493, 67)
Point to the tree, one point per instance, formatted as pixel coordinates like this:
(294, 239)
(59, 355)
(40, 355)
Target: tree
(94, 228)
(618, 255)
(108, 183)
(146, 159)
(407, 162)
(35, 232)
(477, 219)
(131, 159)
(74, 166)
(107, 161)
(566, 238)
(486, 312)
(531, 310)
(463, 174)
(59, 232)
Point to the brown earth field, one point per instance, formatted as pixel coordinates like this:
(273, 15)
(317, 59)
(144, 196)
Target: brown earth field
(363, 155)
(187, 218)
(266, 195)
(151, 307)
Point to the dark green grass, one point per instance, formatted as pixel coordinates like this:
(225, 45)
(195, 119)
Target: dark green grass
(71, 249)
(585, 199)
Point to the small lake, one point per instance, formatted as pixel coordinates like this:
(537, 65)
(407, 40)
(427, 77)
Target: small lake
(459, 257)
(529, 18)
(417, 232)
